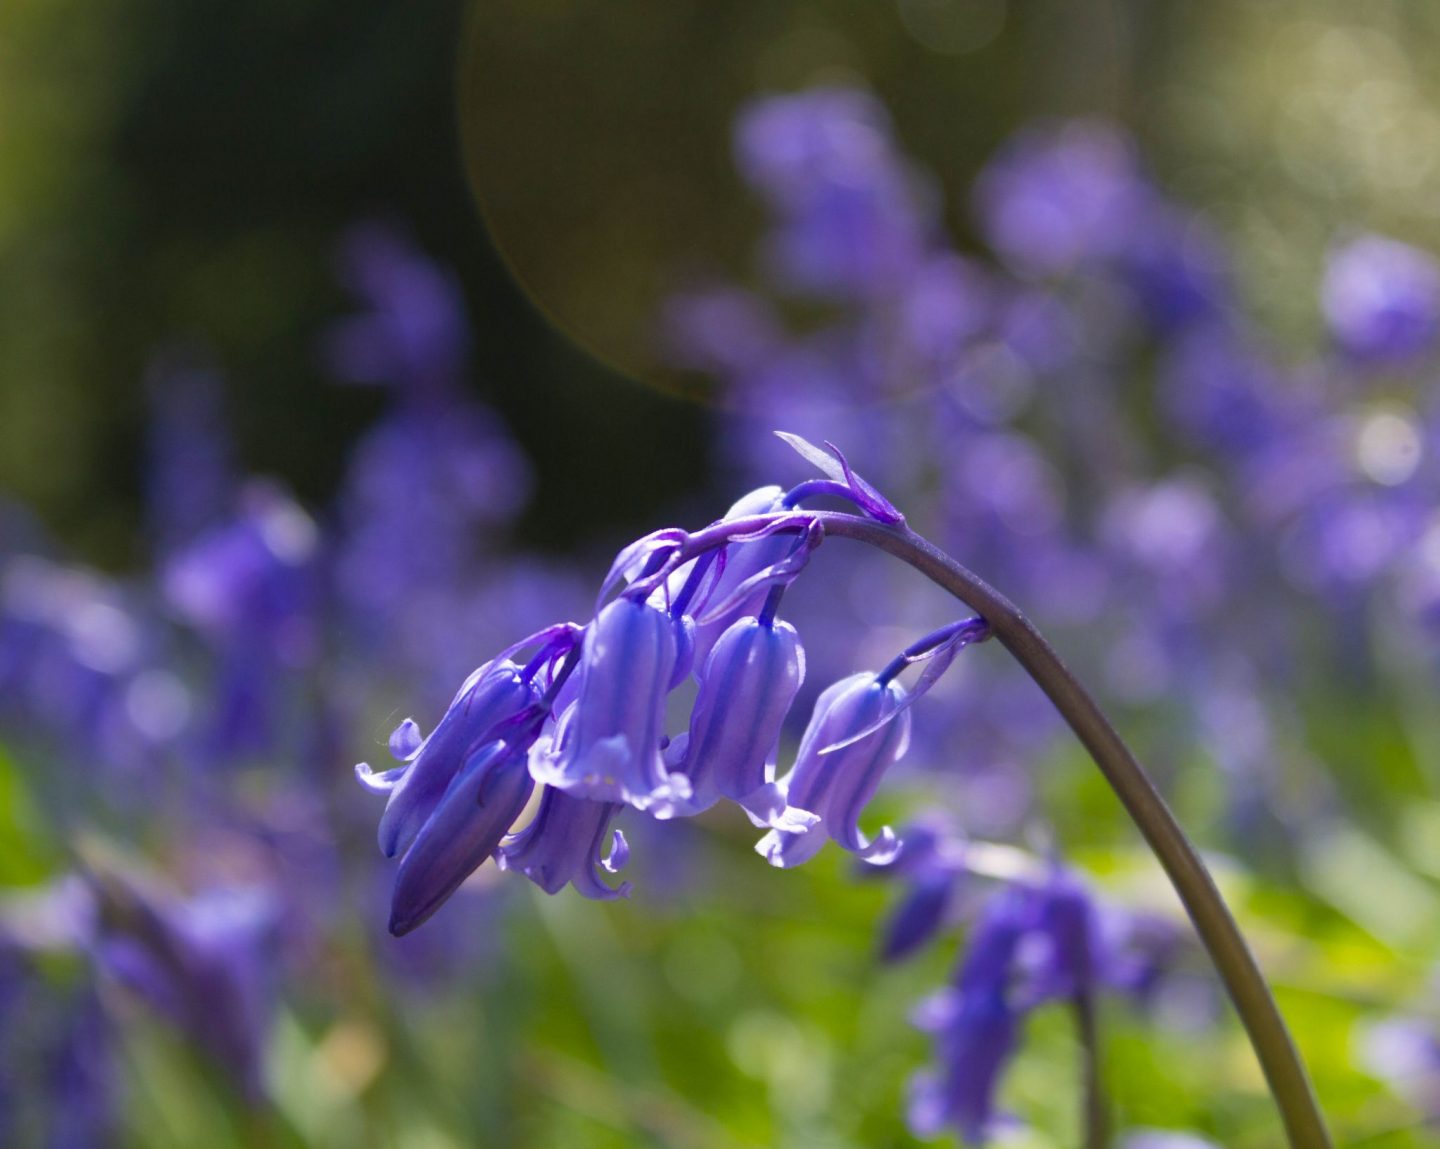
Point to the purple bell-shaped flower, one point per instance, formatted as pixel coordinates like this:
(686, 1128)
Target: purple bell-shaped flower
(746, 688)
(476, 811)
(492, 694)
(611, 751)
(733, 567)
(976, 1025)
(859, 728)
(562, 846)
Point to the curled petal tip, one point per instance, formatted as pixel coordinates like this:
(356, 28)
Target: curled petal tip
(784, 849)
(884, 849)
(378, 783)
(767, 808)
(405, 740)
(618, 857)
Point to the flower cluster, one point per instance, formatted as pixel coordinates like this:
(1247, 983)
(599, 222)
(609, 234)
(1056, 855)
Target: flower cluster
(1040, 936)
(583, 716)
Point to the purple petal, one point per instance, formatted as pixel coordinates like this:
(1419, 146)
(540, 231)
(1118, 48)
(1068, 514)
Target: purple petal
(405, 740)
(478, 809)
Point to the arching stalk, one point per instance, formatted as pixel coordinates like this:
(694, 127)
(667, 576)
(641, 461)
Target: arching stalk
(1284, 1071)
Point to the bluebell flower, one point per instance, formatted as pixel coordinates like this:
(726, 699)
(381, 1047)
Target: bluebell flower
(931, 865)
(1057, 198)
(732, 569)
(613, 751)
(859, 728)
(428, 487)
(492, 694)
(563, 845)
(415, 333)
(835, 781)
(79, 663)
(1034, 942)
(585, 716)
(465, 827)
(746, 687)
(203, 962)
(251, 588)
(458, 792)
(976, 1025)
(852, 220)
(1381, 299)
(1063, 963)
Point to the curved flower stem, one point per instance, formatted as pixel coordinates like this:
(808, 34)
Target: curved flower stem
(1284, 1071)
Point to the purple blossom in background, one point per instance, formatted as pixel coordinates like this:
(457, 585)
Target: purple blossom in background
(190, 475)
(1381, 300)
(945, 306)
(430, 485)
(852, 220)
(1058, 198)
(81, 666)
(1404, 1052)
(13, 1053)
(931, 865)
(205, 963)
(59, 1084)
(415, 335)
(976, 1028)
(83, 1089)
(251, 588)
(424, 492)
(1032, 943)
(1141, 951)
(719, 330)
(1177, 268)
(1061, 964)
